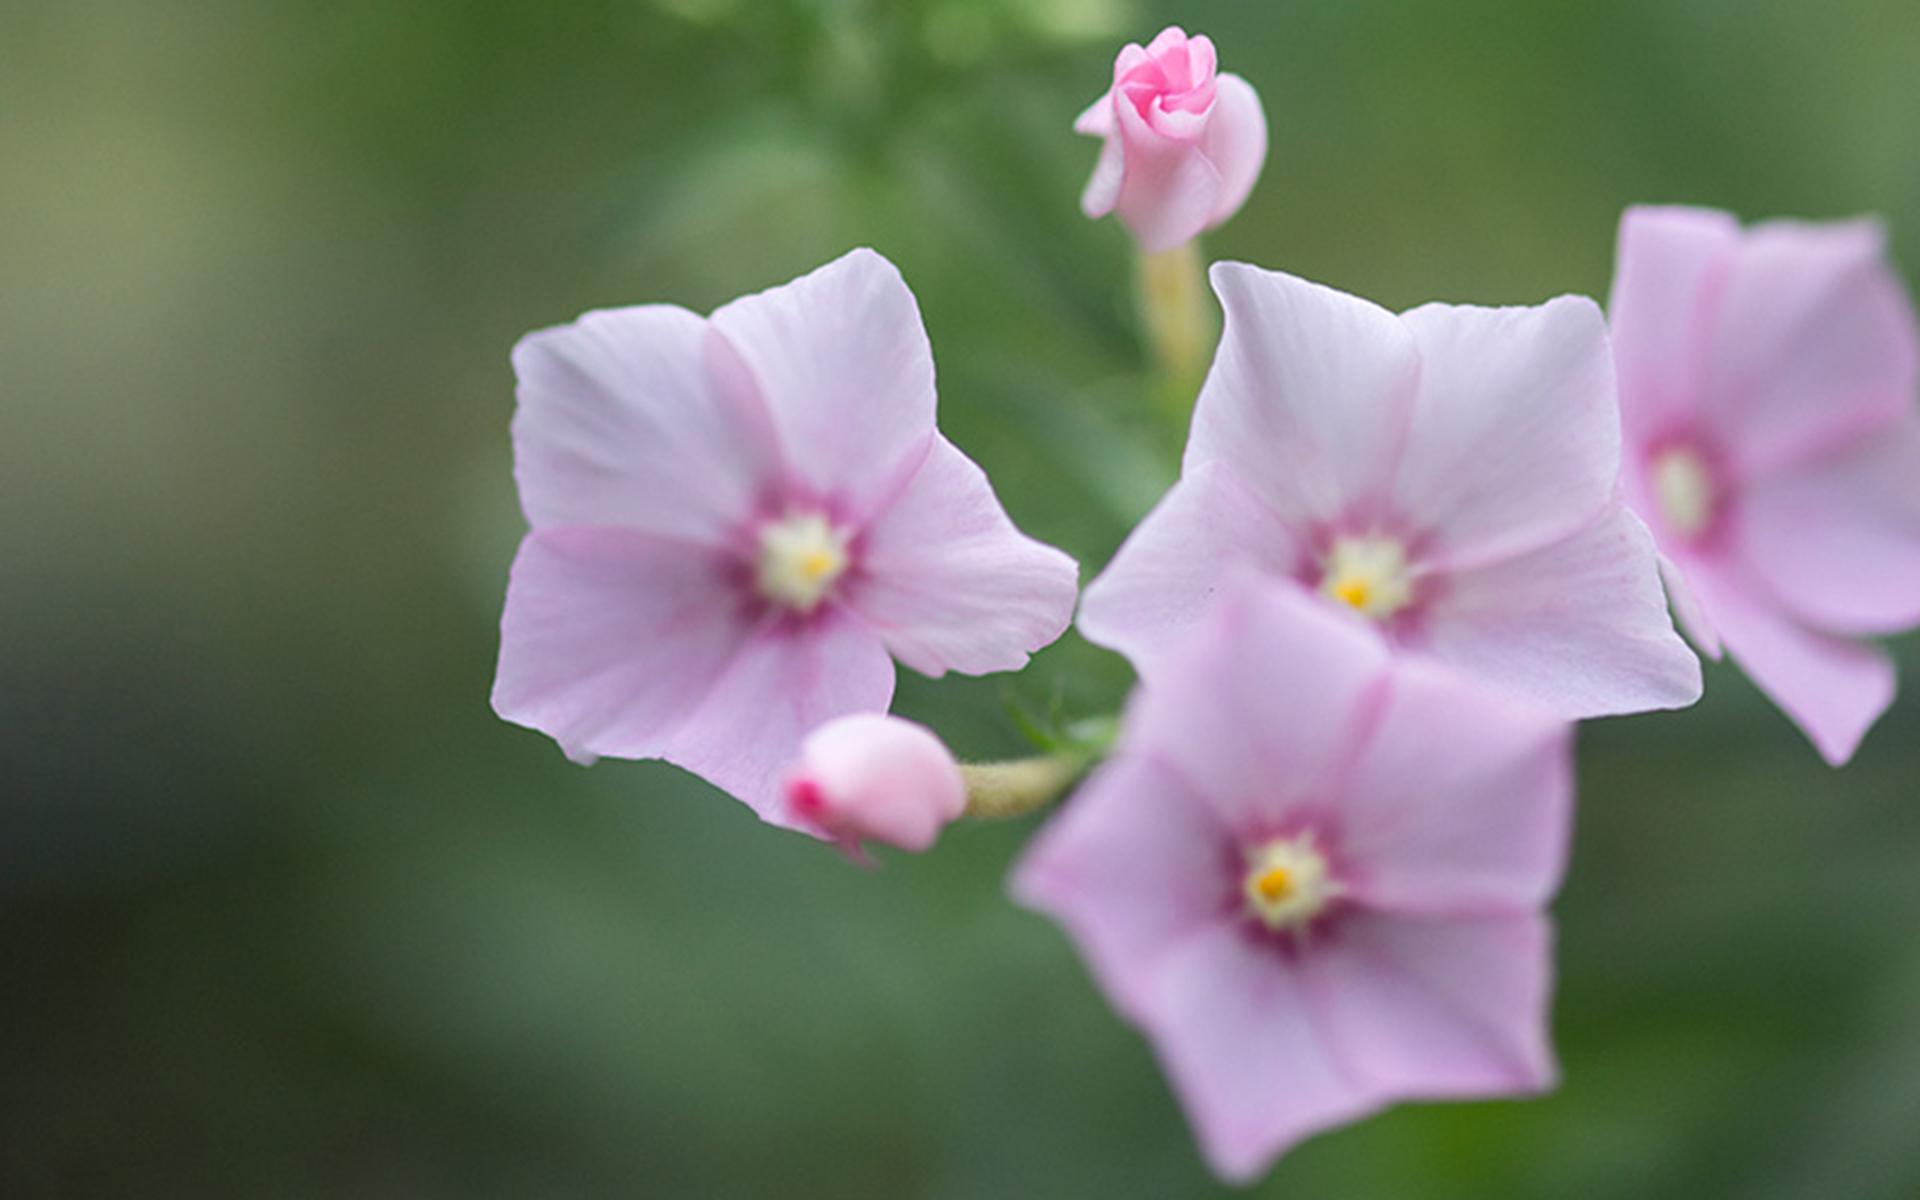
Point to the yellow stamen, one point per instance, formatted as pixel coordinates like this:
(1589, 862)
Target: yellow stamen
(801, 557)
(1353, 591)
(1369, 575)
(1684, 489)
(819, 564)
(1288, 883)
(1274, 884)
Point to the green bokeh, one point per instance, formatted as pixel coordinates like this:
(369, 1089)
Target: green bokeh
(285, 911)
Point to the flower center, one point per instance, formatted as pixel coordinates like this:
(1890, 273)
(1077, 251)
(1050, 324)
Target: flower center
(801, 555)
(1287, 884)
(1683, 487)
(1369, 574)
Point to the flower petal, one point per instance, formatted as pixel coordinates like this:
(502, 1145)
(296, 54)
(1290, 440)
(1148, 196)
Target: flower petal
(1515, 437)
(1236, 142)
(1837, 539)
(1170, 189)
(1238, 1033)
(1578, 626)
(612, 637)
(1103, 187)
(1202, 59)
(1815, 343)
(788, 679)
(948, 581)
(1166, 573)
(842, 362)
(1309, 395)
(1261, 709)
(1133, 866)
(1424, 1009)
(1833, 689)
(620, 423)
(1688, 613)
(1096, 120)
(1669, 267)
(874, 777)
(1460, 803)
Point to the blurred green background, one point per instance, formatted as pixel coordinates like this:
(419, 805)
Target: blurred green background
(285, 911)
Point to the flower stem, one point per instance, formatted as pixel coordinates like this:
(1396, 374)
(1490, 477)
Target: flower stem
(1179, 323)
(997, 791)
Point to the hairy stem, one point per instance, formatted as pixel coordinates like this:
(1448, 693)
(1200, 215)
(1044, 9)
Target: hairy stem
(1178, 319)
(999, 790)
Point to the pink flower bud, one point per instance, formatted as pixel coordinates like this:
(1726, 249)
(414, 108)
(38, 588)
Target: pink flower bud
(871, 777)
(1183, 145)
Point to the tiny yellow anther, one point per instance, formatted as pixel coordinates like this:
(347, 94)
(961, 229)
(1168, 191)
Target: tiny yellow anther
(1289, 883)
(801, 557)
(1274, 884)
(818, 564)
(1368, 574)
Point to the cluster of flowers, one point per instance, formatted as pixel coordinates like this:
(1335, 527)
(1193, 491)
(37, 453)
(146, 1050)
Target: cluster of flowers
(1405, 551)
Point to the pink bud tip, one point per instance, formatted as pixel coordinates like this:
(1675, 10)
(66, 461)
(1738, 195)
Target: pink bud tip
(1183, 143)
(806, 800)
(875, 778)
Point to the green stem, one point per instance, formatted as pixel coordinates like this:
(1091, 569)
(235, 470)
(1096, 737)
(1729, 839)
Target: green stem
(997, 791)
(1177, 316)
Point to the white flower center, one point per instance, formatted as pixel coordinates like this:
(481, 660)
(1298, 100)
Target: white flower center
(1370, 574)
(1684, 489)
(801, 555)
(1287, 884)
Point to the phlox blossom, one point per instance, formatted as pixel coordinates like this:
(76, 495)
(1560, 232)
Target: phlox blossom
(1767, 388)
(736, 518)
(1182, 145)
(1450, 474)
(1313, 875)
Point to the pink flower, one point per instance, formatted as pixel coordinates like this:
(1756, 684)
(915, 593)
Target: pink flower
(1450, 474)
(1313, 876)
(1767, 389)
(1183, 146)
(735, 519)
(871, 777)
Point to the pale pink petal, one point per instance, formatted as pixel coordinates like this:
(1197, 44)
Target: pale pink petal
(1240, 1036)
(1262, 708)
(1461, 802)
(1177, 124)
(1435, 1009)
(620, 423)
(1168, 42)
(1837, 538)
(1833, 689)
(612, 637)
(842, 362)
(1096, 120)
(1170, 191)
(1579, 626)
(1202, 59)
(1236, 143)
(1515, 437)
(1815, 343)
(1103, 188)
(874, 777)
(1133, 866)
(1131, 55)
(1309, 395)
(787, 680)
(1688, 612)
(1670, 265)
(1166, 574)
(948, 581)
